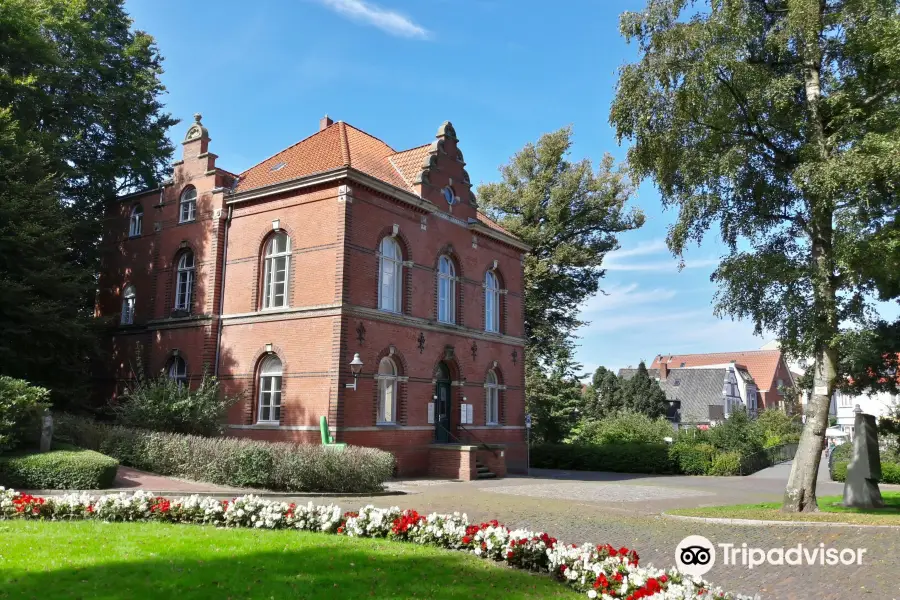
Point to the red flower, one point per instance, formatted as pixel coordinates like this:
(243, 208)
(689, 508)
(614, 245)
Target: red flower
(663, 578)
(466, 539)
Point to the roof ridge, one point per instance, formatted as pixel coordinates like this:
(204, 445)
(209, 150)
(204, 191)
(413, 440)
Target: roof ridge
(345, 143)
(364, 132)
(312, 135)
(396, 152)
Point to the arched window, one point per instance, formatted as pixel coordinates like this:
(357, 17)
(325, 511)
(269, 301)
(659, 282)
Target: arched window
(178, 370)
(270, 391)
(136, 224)
(188, 206)
(387, 391)
(491, 302)
(184, 282)
(446, 290)
(277, 269)
(492, 390)
(390, 275)
(128, 300)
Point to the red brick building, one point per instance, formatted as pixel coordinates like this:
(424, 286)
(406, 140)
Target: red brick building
(276, 278)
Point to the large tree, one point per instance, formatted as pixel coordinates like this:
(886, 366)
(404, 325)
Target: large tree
(570, 215)
(777, 121)
(641, 393)
(81, 89)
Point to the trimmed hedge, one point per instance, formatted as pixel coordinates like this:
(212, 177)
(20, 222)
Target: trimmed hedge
(840, 460)
(619, 458)
(693, 459)
(237, 462)
(61, 469)
(726, 463)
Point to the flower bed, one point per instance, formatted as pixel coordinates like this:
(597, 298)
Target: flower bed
(600, 571)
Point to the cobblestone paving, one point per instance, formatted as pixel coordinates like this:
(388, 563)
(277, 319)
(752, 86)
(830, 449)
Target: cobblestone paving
(597, 492)
(607, 518)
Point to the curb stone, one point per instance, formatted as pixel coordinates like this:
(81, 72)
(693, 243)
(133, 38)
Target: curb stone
(765, 523)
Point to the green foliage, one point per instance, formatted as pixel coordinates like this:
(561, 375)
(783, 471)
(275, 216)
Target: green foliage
(739, 433)
(777, 121)
(44, 333)
(65, 468)
(726, 463)
(80, 122)
(20, 404)
(643, 394)
(163, 404)
(553, 398)
(618, 458)
(624, 427)
(605, 394)
(692, 457)
(570, 215)
(234, 461)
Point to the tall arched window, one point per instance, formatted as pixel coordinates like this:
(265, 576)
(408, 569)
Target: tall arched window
(390, 275)
(136, 224)
(188, 206)
(277, 269)
(491, 302)
(184, 282)
(178, 370)
(270, 391)
(446, 290)
(387, 391)
(492, 391)
(128, 300)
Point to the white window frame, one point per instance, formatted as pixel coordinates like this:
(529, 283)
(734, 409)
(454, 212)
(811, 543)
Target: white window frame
(492, 399)
(390, 276)
(178, 370)
(271, 280)
(271, 373)
(187, 205)
(387, 392)
(491, 302)
(184, 281)
(136, 223)
(446, 290)
(129, 298)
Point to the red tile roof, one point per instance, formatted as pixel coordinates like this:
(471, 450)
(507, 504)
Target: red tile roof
(342, 145)
(761, 364)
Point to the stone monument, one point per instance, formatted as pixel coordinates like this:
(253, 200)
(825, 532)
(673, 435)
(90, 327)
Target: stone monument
(46, 431)
(864, 471)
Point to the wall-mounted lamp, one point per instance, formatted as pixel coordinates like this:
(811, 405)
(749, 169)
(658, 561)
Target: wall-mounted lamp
(355, 367)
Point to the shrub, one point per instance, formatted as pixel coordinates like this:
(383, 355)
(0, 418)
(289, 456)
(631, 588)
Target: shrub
(67, 468)
(163, 404)
(620, 458)
(726, 463)
(234, 461)
(737, 433)
(622, 428)
(693, 458)
(20, 403)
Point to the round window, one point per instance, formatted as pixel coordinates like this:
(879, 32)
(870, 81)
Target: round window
(449, 196)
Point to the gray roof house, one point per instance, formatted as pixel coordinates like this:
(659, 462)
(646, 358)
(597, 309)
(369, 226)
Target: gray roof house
(703, 395)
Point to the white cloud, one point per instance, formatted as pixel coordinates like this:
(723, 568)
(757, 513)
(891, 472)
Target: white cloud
(371, 14)
(617, 297)
(664, 261)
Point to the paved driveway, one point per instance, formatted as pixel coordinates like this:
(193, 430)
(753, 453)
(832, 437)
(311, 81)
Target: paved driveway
(624, 510)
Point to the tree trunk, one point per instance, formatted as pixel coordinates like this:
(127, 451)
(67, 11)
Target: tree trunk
(800, 493)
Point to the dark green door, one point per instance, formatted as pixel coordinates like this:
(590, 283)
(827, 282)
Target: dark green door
(442, 412)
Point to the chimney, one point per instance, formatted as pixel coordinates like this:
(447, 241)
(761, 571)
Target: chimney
(663, 370)
(325, 122)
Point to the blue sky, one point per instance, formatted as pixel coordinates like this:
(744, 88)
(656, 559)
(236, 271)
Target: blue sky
(262, 73)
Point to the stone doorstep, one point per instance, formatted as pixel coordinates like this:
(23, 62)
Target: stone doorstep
(466, 447)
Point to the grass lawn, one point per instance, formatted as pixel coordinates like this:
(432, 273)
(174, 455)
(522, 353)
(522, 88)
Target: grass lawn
(89, 559)
(830, 508)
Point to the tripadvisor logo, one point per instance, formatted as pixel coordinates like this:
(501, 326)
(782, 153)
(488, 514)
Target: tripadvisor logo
(695, 555)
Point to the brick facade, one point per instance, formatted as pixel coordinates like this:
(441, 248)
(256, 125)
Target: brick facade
(336, 195)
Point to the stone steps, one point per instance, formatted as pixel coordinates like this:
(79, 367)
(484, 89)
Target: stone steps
(483, 472)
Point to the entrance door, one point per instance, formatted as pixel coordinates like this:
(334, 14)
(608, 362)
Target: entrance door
(442, 405)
